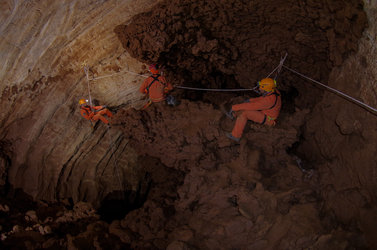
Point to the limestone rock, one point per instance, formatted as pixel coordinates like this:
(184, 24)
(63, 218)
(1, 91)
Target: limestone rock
(31, 216)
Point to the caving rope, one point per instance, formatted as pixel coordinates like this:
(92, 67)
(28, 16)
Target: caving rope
(216, 90)
(118, 73)
(347, 97)
(277, 70)
(86, 70)
(335, 91)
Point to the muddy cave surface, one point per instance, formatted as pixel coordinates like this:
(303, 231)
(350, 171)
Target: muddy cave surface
(197, 189)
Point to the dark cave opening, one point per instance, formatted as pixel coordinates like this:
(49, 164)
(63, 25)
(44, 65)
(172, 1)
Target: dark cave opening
(156, 182)
(117, 204)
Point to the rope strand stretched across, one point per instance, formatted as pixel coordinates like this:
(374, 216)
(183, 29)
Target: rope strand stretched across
(87, 78)
(350, 98)
(218, 90)
(122, 72)
(277, 68)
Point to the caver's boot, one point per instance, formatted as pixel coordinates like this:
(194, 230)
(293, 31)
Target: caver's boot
(230, 136)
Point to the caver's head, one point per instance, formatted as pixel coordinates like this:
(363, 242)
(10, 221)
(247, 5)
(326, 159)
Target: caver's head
(267, 85)
(153, 68)
(83, 102)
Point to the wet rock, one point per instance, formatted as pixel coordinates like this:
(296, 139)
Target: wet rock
(31, 216)
(4, 208)
(347, 124)
(81, 210)
(16, 229)
(45, 230)
(179, 245)
(3, 237)
(117, 230)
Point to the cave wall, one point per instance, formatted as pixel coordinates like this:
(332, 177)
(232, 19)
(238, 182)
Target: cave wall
(48, 149)
(341, 136)
(339, 139)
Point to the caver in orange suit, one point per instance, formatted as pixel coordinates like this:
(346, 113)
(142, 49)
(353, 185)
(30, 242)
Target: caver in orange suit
(94, 113)
(156, 85)
(263, 110)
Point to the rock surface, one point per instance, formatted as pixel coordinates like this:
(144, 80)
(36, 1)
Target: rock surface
(347, 136)
(46, 46)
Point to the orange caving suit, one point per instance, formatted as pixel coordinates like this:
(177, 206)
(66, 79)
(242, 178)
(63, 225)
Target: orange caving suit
(263, 110)
(155, 86)
(95, 113)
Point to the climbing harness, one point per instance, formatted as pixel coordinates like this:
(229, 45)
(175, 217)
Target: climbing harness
(269, 118)
(276, 100)
(155, 79)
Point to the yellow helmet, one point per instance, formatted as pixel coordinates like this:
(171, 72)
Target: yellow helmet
(82, 101)
(267, 84)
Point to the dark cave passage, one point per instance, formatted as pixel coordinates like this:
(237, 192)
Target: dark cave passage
(117, 204)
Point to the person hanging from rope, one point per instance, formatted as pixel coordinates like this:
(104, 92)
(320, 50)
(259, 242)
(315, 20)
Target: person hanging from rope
(156, 87)
(94, 113)
(263, 110)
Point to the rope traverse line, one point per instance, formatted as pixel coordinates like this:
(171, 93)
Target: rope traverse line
(122, 72)
(350, 98)
(87, 78)
(218, 90)
(273, 71)
(279, 67)
(180, 87)
(282, 59)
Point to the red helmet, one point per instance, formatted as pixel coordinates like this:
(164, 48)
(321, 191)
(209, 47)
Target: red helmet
(153, 68)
